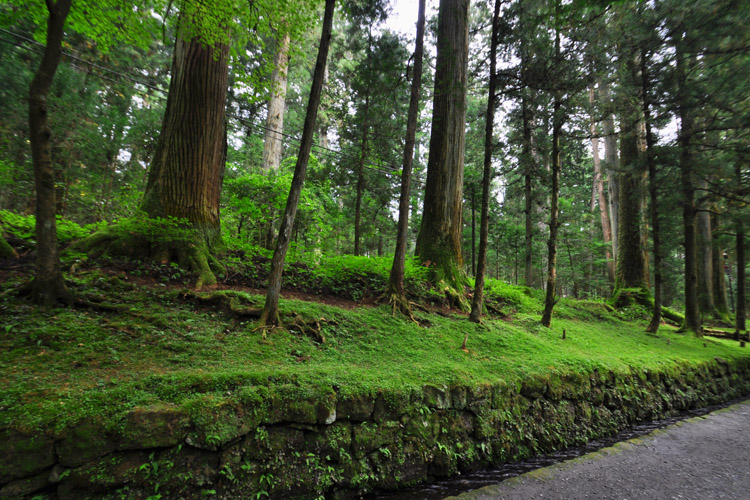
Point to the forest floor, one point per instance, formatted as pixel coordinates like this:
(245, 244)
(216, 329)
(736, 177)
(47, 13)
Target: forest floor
(146, 339)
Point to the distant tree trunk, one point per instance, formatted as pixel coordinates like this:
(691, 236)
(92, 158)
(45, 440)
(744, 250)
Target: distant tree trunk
(361, 178)
(740, 313)
(527, 157)
(718, 278)
(473, 232)
(601, 197)
(653, 190)
(272, 144)
(439, 239)
(185, 176)
(395, 290)
(631, 267)
(704, 266)
(692, 315)
(557, 123)
(270, 315)
(48, 285)
(612, 165)
(484, 224)
(6, 251)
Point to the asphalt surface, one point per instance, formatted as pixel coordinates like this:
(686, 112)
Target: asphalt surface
(702, 458)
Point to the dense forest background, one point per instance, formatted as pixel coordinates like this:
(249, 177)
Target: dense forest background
(618, 152)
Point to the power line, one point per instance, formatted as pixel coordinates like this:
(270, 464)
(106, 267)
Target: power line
(391, 169)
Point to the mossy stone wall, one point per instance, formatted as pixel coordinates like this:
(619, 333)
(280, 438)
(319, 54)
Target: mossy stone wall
(281, 445)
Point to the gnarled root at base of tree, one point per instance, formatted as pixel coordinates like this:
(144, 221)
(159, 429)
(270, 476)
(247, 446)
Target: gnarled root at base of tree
(238, 304)
(624, 297)
(195, 256)
(454, 297)
(399, 303)
(48, 293)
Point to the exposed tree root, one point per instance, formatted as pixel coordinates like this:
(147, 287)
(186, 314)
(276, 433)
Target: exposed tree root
(399, 303)
(236, 303)
(195, 256)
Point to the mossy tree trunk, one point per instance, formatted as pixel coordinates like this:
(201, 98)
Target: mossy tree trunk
(705, 261)
(484, 224)
(631, 271)
(270, 315)
(395, 290)
(527, 159)
(439, 239)
(185, 175)
(361, 175)
(48, 285)
(6, 251)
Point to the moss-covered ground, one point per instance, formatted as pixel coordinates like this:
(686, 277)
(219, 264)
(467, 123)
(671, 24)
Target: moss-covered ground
(160, 346)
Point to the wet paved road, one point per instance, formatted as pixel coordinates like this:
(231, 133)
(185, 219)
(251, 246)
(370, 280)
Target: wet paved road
(702, 458)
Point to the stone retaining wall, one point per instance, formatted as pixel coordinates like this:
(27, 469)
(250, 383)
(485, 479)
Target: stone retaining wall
(332, 446)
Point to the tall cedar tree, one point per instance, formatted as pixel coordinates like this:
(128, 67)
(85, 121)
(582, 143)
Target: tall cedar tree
(554, 225)
(185, 177)
(272, 144)
(685, 113)
(484, 224)
(48, 285)
(270, 315)
(439, 239)
(740, 313)
(395, 291)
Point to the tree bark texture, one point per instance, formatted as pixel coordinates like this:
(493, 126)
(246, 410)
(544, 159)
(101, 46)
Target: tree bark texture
(395, 286)
(612, 164)
(484, 223)
(741, 313)
(692, 312)
(185, 176)
(704, 264)
(527, 159)
(272, 144)
(557, 123)
(361, 176)
(631, 267)
(48, 285)
(653, 191)
(270, 315)
(439, 239)
(600, 196)
(718, 277)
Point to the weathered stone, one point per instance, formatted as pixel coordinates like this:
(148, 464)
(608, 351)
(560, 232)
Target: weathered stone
(357, 408)
(367, 437)
(332, 441)
(459, 397)
(391, 405)
(23, 455)
(25, 486)
(437, 397)
(154, 426)
(84, 442)
(107, 474)
(534, 387)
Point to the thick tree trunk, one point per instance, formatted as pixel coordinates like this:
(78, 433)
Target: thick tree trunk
(718, 277)
(484, 224)
(557, 123)
(272, 144)
(48, 285)
(631, 268)
(395, 290)
(439, 239)
(692, 313)
(600, 196)
(612, 164)
(185, 176)
(361, 178)
(473, 231)
(270, 315)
